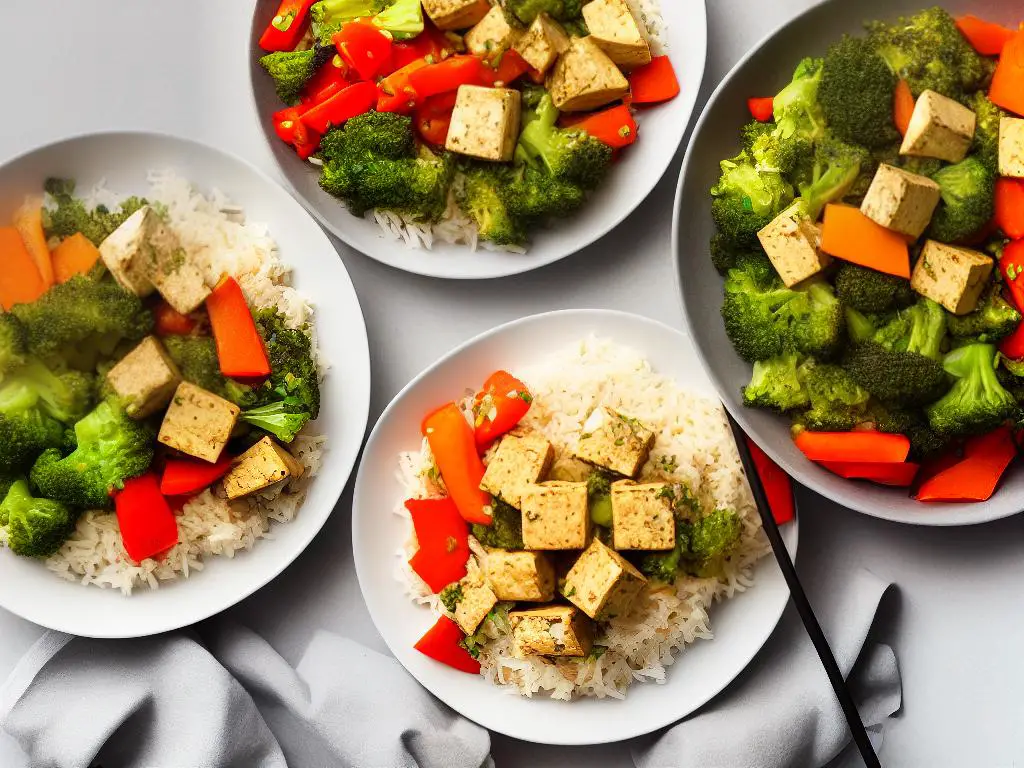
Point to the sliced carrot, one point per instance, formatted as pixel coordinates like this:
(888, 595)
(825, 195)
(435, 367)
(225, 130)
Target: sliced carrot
(654, 83)
(1010, 207)
(20, 282)
(902, 106)
(453, 445)
(883, 473)
(615, 127)
(1007, 88)
(851, 236)
(987, 37)
(28, 220)
(974, 478)
(853, 446)
(239, 345)
(75, 255)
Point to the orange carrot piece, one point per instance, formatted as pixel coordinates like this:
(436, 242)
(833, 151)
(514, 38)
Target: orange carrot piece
(453, 445)
(986, 37)
(902, 106)
(20, 282)
(28, 220)
(75, 255)
(883, 473)
(853, 446)
(974, 478)
(1010, 207)
(1007, 88)
(654, 83)
(615, 127)
(851, 236)
(239, 345)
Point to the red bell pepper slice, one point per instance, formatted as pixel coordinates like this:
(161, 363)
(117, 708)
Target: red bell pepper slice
(1007, 89)
(986, 37)
(239, 344)
(183, 477)
(510, 67)
(1011, 264)
(357, 99)
(432, 44)
(853, 446)
(1010, 207)
(442, 643)
(147, 524)
(167, 321)
(444, 541)
(454, 448)
(654, 83)
(762, 108)
(364, 47)
(328, 80)
(445, 76)
(402, 55)
(883, 473)
(777, 485)
(616, 127)
(974, 478)
(1013, 345)
(396, 92)
(499, 407)
(287, 27)
(434, 117)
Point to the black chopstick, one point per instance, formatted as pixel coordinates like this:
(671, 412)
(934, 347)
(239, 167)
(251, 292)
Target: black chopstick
(803, 607)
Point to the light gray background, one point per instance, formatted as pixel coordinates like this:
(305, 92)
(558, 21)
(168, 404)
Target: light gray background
(179, 66)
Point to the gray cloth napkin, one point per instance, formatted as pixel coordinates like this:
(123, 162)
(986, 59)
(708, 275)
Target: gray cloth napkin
(782, 713)
(224, 699)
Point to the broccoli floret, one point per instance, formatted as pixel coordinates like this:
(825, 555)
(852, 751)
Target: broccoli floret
(196, 358)
(753, 131)
(968, 200)
(567, 154)
(13, 342)
(986, 131)
(327, 16)
(920, 329)
(81, 316)
(26, 429)
(415, 187)
(35, 527)
(533, 197)
(929, 52)
(290, 70)
(867, 290)
(797, 111)
(451, 596)
(62, 395)
(402, 18)
(817, 322)
(505, 530)
(69, 214)
(528, 10)
(700, 547)
(294, 376)
(373, 135)
(725, 256)
(836, 169)
(776, 385)
(599, 495)
(924, 441)
(838, 403)
(856, 93)
(747, 200)
(714, 535)
(993, 319)
(576, 27)
(977, 402)
(772, 151)
(111, 448)
(280, 419)
(482, 197)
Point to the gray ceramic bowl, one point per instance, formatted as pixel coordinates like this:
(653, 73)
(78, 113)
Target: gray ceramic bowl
(765, 71)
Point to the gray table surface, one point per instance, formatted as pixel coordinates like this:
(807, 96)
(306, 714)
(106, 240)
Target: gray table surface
(179, 66)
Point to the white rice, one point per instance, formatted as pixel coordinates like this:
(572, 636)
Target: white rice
(693, 446)
(216, 234)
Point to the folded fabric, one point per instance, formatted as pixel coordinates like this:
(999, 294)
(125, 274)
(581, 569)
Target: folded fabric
(221, 699)
(783, 713)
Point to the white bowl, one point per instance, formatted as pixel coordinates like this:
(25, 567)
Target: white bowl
(123, 159)
(741, 625)
(631, 181)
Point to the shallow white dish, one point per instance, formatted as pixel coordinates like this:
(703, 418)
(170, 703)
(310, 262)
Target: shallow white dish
(28, 588)
(631, 181)
(741, 625)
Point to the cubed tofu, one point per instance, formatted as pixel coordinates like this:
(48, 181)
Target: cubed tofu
(542, 43)
(901, 201)
(493, 35)
(263, 465)
(474, 603)
(556, 515)
(584, 78)
(951, 276)
(939, 127)
(614, 28)
(554, 630)
(198, 422)
(523, 576)
(602, 583)
(615, 441)
(793, 244)
(1011, 147)
(642, 516)
(177, 278)
(485, 123)
(145, 379)
(456, 14)
(521, 459)
(125, 254)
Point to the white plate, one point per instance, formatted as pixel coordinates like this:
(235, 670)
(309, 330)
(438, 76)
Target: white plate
(631, 181)
(123, 159)
(741, 625)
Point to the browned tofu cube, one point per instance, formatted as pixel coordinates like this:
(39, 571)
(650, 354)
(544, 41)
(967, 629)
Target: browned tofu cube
(951, 276)
(176, 276)
(642, 516)
(542, 43)
(556, 515)
(554, 630)
(793, 244)
(493, 35)
(145, 379)
(1011, 147)
(901, 201)
(456, 14)
(485, 123)
(263, 465)
(520, 576)
(584, 78)
(602, 583)
(939, 127)
(125, 254)
(613, 27)
(469, 601)
(198, 422)
(615, 441)
(521, 459)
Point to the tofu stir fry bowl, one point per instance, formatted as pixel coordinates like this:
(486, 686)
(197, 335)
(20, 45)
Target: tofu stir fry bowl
(572, 526)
